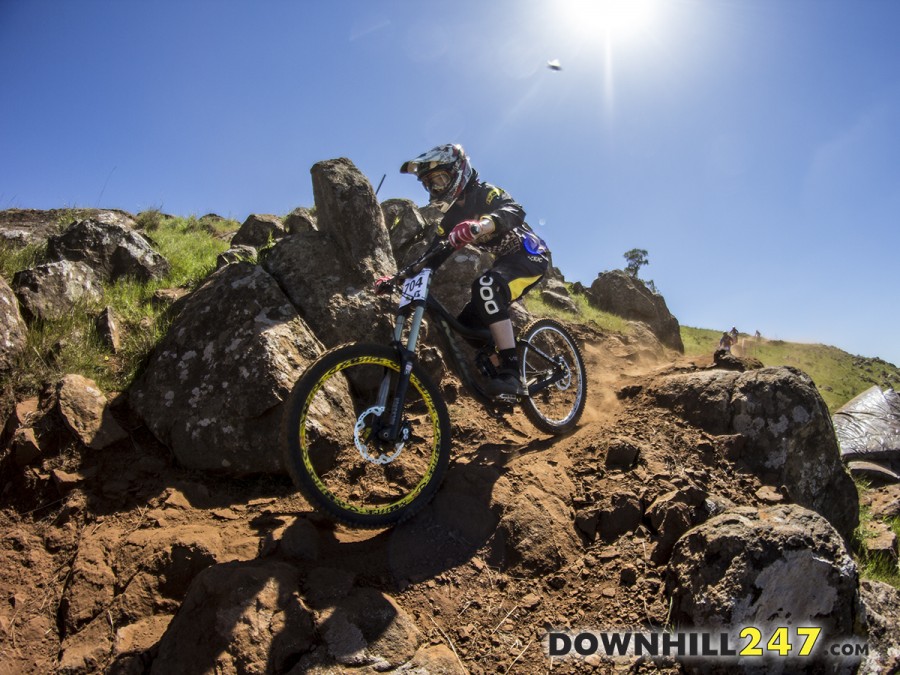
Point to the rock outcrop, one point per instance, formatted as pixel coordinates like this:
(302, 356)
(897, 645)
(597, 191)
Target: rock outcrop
(752, 566)
(406, 226)
(214, 387)
(349, 214)
(259, 231)
(622, 294)
(780, 566)
(300, 220)
(24, 227)
(52, 290)
(112, 250)
(784, 433)
(705, 498)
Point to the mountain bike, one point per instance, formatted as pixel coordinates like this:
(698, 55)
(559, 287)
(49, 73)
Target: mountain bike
(366, 432)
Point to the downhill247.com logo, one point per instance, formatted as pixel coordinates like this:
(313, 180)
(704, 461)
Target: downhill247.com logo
(748, 642)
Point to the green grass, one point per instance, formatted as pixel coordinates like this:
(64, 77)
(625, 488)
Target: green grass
(873, 566)
(190, 246)
(839, 376)
(585, 314)
(70, 344)
(13, 259)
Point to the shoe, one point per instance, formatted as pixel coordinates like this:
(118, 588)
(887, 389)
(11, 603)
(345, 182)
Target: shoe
(506, 382)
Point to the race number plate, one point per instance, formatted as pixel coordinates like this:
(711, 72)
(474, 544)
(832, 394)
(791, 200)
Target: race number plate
(415, 288)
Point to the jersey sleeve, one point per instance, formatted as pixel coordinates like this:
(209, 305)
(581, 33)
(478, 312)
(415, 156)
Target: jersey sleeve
(499, 206)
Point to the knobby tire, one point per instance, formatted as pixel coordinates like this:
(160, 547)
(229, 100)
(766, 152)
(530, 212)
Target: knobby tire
(557, 409)
(330, 414)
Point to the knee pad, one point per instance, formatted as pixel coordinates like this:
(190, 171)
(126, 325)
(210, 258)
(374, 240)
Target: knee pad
(490, 298)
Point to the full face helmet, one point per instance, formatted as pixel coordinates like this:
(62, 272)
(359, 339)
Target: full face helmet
(444, 172)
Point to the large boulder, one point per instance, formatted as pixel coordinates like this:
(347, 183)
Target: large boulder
(13, 331)
(782, 566)
(300, 220)
(555, 294)
(111, 249)
(21, 227)
(54, 289)
(405, 225)
(787, 438)
(332, 300)
(214, 386)
(329, 273)
(258, 230)
(348, 212)
(620, 293)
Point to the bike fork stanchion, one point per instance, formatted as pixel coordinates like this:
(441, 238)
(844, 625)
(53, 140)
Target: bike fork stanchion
(395, 418)
(407, 361)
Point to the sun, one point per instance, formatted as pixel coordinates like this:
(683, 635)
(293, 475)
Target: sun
(610, 20)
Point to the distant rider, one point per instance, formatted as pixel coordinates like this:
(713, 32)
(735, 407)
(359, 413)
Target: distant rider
(725, 342)
(485, 216)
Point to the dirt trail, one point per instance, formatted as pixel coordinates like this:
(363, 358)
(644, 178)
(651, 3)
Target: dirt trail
(448, 567)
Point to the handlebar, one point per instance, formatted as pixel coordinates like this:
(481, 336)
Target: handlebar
(389, 284)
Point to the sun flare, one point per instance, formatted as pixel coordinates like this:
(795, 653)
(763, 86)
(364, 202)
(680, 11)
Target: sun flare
(618, 20)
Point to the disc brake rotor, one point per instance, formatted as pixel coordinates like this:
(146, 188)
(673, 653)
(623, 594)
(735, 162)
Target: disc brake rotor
(566, 381)
(362, 432)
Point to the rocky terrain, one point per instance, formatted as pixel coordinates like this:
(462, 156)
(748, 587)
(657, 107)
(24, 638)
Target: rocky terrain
(153, 531)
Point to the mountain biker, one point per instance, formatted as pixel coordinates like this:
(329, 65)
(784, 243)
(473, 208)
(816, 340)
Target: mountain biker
(725, 342)
(485, 216)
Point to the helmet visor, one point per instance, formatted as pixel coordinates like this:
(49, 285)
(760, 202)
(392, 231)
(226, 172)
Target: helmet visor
(437, 181)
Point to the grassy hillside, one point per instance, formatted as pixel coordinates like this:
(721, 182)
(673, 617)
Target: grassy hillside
(838, 375)
(70, 344)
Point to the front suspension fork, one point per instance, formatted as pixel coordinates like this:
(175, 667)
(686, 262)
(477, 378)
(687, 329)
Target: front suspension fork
(392, 424)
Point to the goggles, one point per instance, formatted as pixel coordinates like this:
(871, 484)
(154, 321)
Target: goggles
(437, 181)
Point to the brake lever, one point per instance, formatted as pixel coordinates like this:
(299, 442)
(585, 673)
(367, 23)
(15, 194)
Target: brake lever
(417, 266)
(385, 285)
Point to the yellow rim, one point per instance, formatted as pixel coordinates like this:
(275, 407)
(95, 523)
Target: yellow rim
(435, 450)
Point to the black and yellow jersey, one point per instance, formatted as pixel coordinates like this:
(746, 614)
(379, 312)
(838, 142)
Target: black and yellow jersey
(511, 234)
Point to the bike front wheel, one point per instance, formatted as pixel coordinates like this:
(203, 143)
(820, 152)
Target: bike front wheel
(550, 354)
(333, 430)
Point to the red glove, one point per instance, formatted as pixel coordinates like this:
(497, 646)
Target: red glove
(464, 233)
(383, 285)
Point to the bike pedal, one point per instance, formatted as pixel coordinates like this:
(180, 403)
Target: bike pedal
(503, 405)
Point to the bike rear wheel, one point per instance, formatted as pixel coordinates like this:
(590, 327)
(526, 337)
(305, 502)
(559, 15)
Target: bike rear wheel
(551, 351)
(331, 443)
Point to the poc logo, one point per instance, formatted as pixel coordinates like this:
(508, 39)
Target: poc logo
(486, 291)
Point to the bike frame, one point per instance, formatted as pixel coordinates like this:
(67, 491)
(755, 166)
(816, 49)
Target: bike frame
(413, 314)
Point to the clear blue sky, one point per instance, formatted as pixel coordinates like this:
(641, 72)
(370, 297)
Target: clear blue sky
(751, 146)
